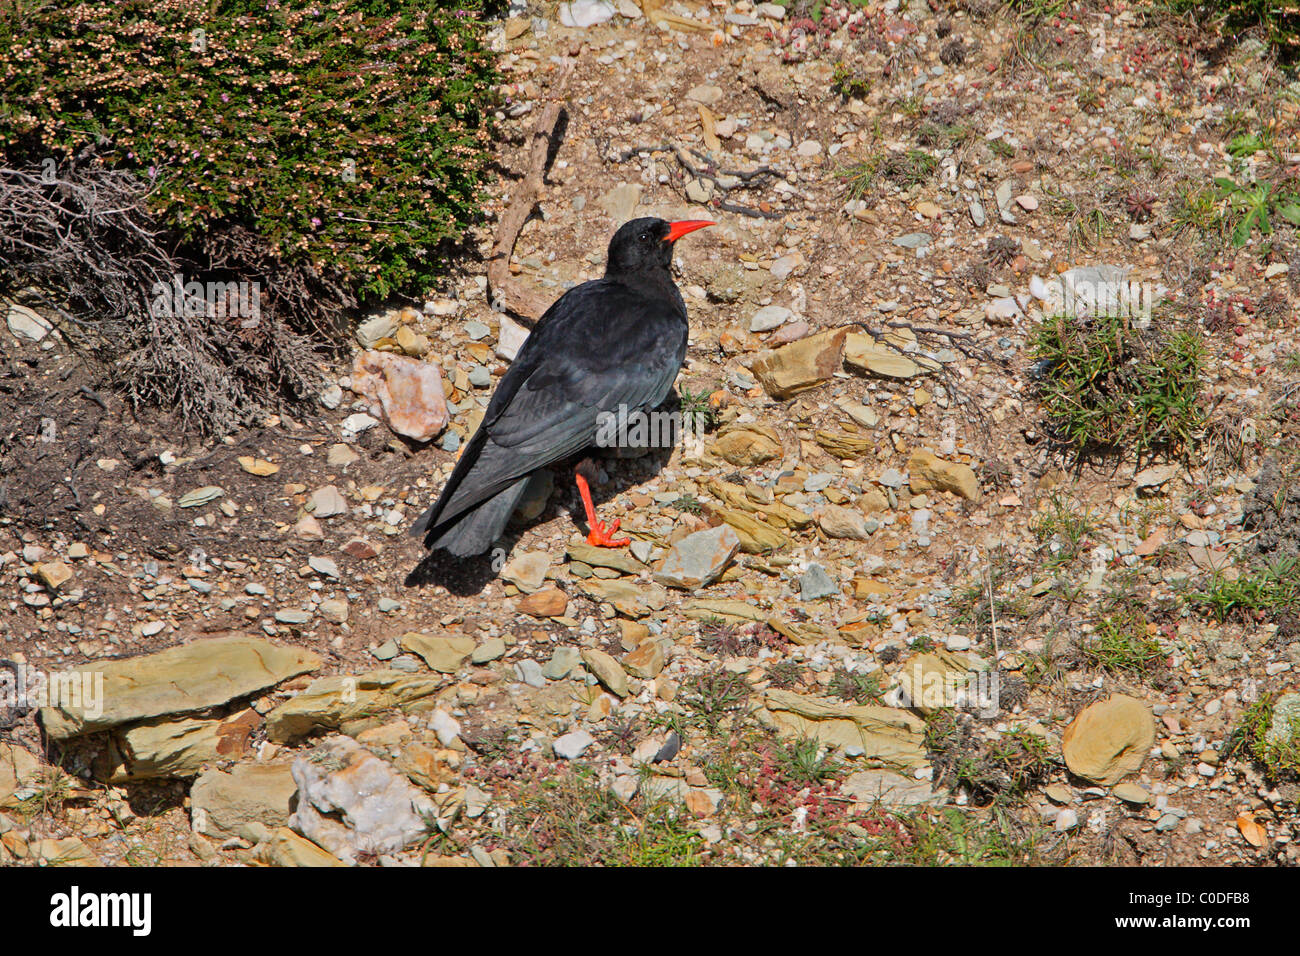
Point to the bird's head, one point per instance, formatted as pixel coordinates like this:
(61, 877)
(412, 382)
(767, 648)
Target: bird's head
(646, 245)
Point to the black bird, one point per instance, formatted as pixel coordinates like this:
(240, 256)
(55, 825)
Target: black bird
(608, 346)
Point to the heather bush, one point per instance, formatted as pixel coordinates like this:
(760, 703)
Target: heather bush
(317, 152)
(351, 135)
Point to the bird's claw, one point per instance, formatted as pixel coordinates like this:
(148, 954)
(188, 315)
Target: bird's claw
(600, 535)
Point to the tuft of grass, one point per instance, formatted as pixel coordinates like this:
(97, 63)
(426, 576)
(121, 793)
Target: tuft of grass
(1064, 528)
(697, 414)
(805, 761)
(715, 695)
(1090, 100)
(997, 771)
(1195, 207)
(785, 674)
(904, 169)
(983, 601)
(1120, 643)
(856, 687)
(1268, 591)
(1110, 388)
(1277, 753)
(574, 821)
(1090, 227)
(1035, 10)
(910, 168)
(1002, 148)
(861, 178)
(910, 105)
(52, 788)
(956, 837)
(944, 135)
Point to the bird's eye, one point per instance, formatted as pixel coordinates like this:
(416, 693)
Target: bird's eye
(645, 237)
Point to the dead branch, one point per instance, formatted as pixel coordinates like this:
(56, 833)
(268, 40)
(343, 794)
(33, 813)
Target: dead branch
(529, 306)
(83, 245)
(962, 342)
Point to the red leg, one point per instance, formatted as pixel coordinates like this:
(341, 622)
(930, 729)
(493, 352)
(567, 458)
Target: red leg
(600, 535)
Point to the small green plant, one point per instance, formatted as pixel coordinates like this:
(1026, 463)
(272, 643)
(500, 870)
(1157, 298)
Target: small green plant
(1000, 147)
(1045, 668)
(785, 674)
(982, 603)
(856, 686)
(1063, 526)
(910, 105)
(909, 168)
(1273, 742)
(52, 788)
(1248, 144)
(861, 178)
(688, 504)
(1090, 227)
(805, 762)
(1196, 207)
(1090, 100)
(720, 638)
(848, 84)
(663, 839)
(961, 837)
(944, 135)
(575, 821)
(1155, 160)
(1120, 643)
(994, 771)
(697, 414)
(1109, 387)
(1255, 205)
(1264, 592)
(1034, 10)
(1023, 756)
(715, 695)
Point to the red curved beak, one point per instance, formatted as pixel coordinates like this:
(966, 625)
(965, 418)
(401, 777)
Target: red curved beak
(678, 229)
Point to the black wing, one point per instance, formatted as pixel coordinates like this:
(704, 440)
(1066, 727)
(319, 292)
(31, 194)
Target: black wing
(602, 345)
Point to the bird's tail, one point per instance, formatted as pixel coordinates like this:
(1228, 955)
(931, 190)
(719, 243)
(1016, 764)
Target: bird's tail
(472, 532)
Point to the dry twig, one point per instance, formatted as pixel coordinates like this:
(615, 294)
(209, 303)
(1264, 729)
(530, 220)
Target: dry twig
(529, 306)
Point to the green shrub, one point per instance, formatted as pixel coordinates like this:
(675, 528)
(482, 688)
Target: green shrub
(308, 154)
(349, 135)
(1108, 386)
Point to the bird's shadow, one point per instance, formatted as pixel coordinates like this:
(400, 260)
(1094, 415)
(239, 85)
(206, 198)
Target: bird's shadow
(626, 467)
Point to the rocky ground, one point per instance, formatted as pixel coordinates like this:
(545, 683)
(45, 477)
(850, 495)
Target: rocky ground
(877, 520)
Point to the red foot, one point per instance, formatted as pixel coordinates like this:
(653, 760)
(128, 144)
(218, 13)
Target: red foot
(600, 535)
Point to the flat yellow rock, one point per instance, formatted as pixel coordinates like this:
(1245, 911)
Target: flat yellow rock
(258, 466)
